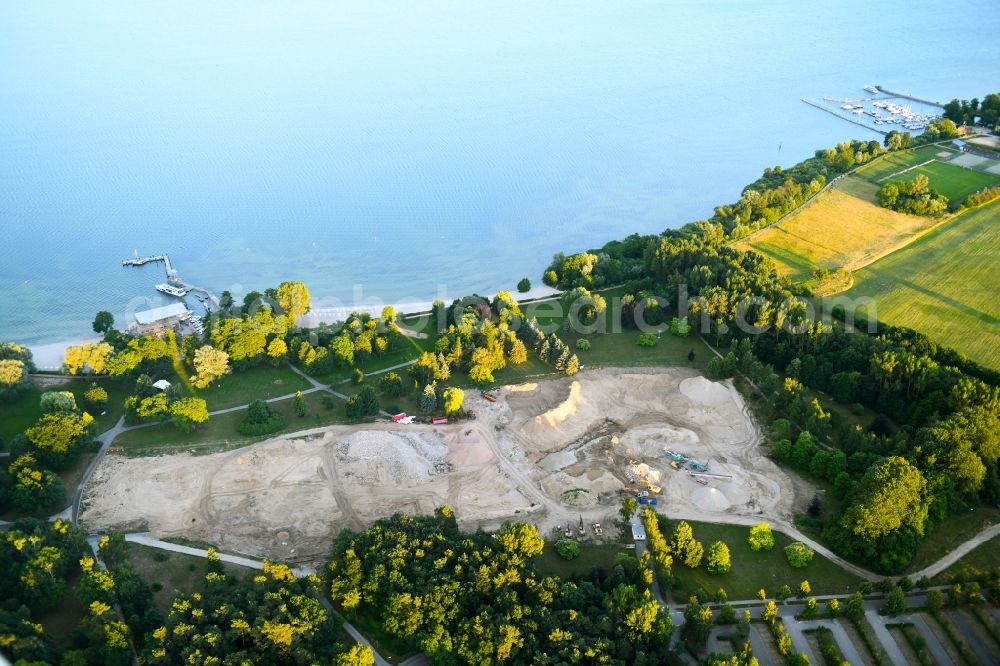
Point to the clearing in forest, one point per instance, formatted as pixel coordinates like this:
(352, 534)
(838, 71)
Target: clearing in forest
(841, 228)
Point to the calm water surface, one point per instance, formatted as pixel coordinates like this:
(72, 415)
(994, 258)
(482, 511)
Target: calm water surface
(403, 146)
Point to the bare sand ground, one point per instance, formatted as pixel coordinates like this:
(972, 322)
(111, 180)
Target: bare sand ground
(550, 453)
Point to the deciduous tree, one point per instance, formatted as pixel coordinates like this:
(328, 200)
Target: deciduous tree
(210, 364)
(293, 297)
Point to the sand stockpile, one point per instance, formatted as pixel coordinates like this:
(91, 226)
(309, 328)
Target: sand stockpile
(701, 391)
(710, 499)
(468, 448)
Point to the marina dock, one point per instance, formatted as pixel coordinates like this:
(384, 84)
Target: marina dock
(910, 97)
(880, 107)
(843, 116)
(175, 286)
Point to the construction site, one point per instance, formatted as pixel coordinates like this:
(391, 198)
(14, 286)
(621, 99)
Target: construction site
(557, 453)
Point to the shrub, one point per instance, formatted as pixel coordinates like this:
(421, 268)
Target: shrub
(895, 603)
(646, 340)
(58, 401)
(680, 327)
(363, 403)
(391, 384)
(761, 537)
(95, 396)
(718, 561)
(568, 549)
(261, 420)
(798, 554)
(524, 285)
(583, 344)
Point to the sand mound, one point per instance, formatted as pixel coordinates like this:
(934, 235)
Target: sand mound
(709, 499)
(702, 391)
(467, 448)
(555, 416)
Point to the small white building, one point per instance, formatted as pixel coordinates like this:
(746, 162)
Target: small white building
(161, 384)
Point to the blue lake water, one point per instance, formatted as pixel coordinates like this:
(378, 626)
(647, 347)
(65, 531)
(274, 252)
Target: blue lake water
(411, 147)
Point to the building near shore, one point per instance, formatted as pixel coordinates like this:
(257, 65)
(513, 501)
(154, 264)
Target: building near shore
(160, 320)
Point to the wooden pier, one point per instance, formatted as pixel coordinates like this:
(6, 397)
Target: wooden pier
(173, 278)
(142, 261)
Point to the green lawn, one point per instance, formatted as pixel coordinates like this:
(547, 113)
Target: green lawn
(951, 532)
(752, 571)
(220, 433)
(260, 383)
(985, 557)
(19, 415)
(944, 285)
(601, 555)
(893, 164)
(954, 182)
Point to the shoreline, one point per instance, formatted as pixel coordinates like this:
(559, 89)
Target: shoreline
(326, 314)
(48, 356)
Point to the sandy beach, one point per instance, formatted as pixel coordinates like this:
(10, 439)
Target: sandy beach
(49, 356)
(327, 314)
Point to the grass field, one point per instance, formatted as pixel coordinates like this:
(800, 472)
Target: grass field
(19, 415)
(954, 182)
(752, 571)
(842, 228)
(260, 383)
(892, 164)
(220, 433)
(603, 556)
(944, 285)
(953, 531)
(985, 557)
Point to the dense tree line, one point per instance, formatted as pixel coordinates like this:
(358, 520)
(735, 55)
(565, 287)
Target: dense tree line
(476, 598)
(965, 112)
(361, 337)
